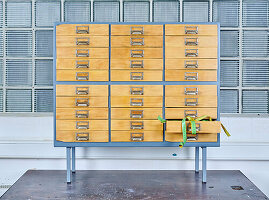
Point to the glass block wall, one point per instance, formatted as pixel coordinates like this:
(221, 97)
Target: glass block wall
(26, 47)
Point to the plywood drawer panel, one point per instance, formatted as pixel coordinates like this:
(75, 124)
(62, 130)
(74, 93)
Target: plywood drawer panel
(190, 29)
(136, 136)
(82, 136)
(192, 52)
(136, 113)
(81, 90)
(190, 90)
(136, 64)
(191, 41)
(201, 126)
(137, 90)
(84, 113)
(92, 75)
(82, 41)
(136, 101)
(136, 30)
(82, 29)
(178, 137)
(98, 125)
(76, 52)
(81, 64)
(180, 113)
(137, 41)
(190, 75)
(181, 63)
(196, 101)
(136, 75)
(136, 53)
(81, 102)
(147, 125)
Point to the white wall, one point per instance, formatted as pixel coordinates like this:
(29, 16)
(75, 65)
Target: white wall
(27, 142)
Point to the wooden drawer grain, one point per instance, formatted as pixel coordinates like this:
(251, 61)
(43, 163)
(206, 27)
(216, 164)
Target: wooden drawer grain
(190, 29)
(81, 64)
(84, 113)
(139, 53)
(180, 63)
(136, 113)
(202, 126)
(178, 137)
(136, 75)
(190, 90)
(98, 125)
(137, 29)
(82, 90)
(85, 29)
(81, 102)
(92, 75)
(190, 75)
(137, 136)
(137, 41)
(197, 101)
(75, 136)
(134, 125)
(140, 102)
(190, 52)
(180, 113)
(191, 41)
(75, 52)
(82, 41)
(137, 90)
(136, 64)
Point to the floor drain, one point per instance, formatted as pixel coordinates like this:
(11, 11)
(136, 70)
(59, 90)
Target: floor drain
(211, 187)
(237, 187)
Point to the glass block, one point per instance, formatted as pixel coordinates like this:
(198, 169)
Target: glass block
(43, 72)
(106, 11)
(18, 100)
(229, 101)
(77, 11)
(255, 101)
(136, 11)
(229, 43)
(1, 72)
(195, 11)
(166, 11)
(43, 100)
(1, 13)
(44, 43)
(1, 44)
(229, 73)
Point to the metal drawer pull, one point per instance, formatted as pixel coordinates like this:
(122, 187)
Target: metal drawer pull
(136, 75)
(82, 53)
(82, 90)
(191, 101)
(192, 138)
(82, 41)
(191, 76)
(137, 53)
(191, 41)
(136, 102)
(82, 64)
(190, 113)
(137, 90)
(137, 41)
(82, 76)
(82, 29)
(193, 30)
(191, 91)
(83, 102)
(198, 127)
(137, 125)
(136, 64)
(82, 114)
(191, 64)
(191, 52)
(137, 30)
(137, 137)
(82, 125)
(82, 136)
(136, 114)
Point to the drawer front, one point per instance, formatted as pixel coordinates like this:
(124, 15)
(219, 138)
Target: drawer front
(71, 75)
(81, 102)
(82, 29)
(190, 90)
(185, 101)
(136, 30)
(136, 64)
(190, 75)
(136, 113)
(75, 52)
(136, 53)
(134, 125)
(137, 41)
(84, 113)
(180, 113)
(136, 136)
(137, 90)
(82, 41)
(191, 63)
(201, 127)
(82, 136)
(178, 137)
(136, 75)
(192, 52)
(82, 64)
(190, 29)
(136, 101)
(98, 125)
(191, 41)
(81, 90)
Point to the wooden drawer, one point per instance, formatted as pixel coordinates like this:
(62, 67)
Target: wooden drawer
(74, 52)
(82, 29)
(190, 75)
(136, 113)
(191, 41)
(201, 126)
(98, 125)
(191, 29)
(190, 90)
(81, 64)
(192, 52)
(138, 53)
(137, 90)
(82, 41)
(185, 101)
(137, 41)
(178, 137)
(136, 30)
(84, 113)
(136, 136)
(180, 113)
(81, 90)
(82, 136)
(191, 63)
(136, 64)
(134, 125)
(136, 101)
(92, 75)
(81, 102)
(136, 75)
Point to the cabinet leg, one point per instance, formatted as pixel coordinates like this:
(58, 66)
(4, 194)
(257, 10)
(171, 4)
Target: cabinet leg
(196, 159)
(204, 164)
(73, 160)
(68, 164)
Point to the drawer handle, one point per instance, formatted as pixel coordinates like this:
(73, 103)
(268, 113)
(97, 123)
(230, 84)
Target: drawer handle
(191, 101)
(136, 102)
(82, 53)
(137, 125)
(82, 114)
(82, 136)
(82, 64)
(191, 91)
(137, 90)
(191, 64)
(137, 30)
(137, 53)
(193, 30)
(82, 90)
(82, 76)
(137, 41)
(136, 64)
(198, 127)
(191, 41)
(83, 102)
(137, 137)
(191, 76)
(82, 125)
(136, 114)
(82, 29)
(82, 41)
(191, 52)
(190, 113)
(136, 75)
(192, 138)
